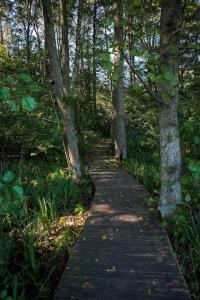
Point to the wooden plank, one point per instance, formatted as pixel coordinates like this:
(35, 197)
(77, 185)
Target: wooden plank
(123, 252)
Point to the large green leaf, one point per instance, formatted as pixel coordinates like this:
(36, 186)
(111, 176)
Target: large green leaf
(29, 103)
(8, 176)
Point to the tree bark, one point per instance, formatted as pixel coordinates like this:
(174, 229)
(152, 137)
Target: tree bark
(61, 90)
(94, 83)
(65, 45)
(118, 90)
(169, 135)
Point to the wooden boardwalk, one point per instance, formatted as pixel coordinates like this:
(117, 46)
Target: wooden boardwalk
(123, 252)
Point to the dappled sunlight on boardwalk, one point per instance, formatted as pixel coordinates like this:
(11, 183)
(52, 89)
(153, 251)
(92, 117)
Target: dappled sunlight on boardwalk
(123, 252)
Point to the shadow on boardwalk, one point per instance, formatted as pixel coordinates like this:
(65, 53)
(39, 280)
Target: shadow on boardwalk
(123, 252)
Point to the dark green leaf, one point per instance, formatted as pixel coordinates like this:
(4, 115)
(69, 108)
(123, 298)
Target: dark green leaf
(26, 78)
(4, 93)
(19, 190)
(13, 106)
(196, 139)
(34, 88)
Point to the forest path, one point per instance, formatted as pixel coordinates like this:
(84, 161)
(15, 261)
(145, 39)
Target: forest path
(123, 252)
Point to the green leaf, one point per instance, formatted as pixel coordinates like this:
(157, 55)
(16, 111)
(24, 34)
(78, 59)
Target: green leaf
(5, 94)
(9, 80)
(185, 180)
(19, 190)
(105, 56)
(29, 103)
(21, 213)
(8, 176)
(188, 198)
(13, 106)
(1, 185)
(151, 76)
(26, 78)
(194, 166)
(34, 88)
(168, 76)
(156, 3)
(137, 88)
(196, 139)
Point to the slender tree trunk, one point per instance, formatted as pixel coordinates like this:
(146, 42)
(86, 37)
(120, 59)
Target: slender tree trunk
(131, 47)
(1, 34)
(169, 135)
(94, 83)
(60, 90)
(65, 45)
(118, 91)
(78, 40)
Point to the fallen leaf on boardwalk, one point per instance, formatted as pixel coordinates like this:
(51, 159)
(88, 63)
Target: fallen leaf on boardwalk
(87, 285)
(104, 237)
(92, 222)
(113, 269)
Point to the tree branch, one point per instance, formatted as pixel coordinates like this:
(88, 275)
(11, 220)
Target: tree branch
(156, 99)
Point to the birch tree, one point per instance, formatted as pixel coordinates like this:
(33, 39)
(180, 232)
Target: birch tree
(168, 88)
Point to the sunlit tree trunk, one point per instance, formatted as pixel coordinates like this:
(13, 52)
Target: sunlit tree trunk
(61, 90)
(169, 135)
(119, 132)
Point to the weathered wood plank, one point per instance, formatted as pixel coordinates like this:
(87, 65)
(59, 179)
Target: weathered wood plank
(123, 252)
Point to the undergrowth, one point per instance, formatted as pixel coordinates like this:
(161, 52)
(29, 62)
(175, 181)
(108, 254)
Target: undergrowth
(43, 210)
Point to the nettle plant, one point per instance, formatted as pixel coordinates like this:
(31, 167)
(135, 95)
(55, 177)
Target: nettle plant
(16, 93)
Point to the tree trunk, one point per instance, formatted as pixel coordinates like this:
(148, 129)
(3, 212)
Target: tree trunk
(169, 136)
(118, 90)
(131, 47)
(78, 41)
(94, 83)
(65, 45)
(60, 90)
(1, 34)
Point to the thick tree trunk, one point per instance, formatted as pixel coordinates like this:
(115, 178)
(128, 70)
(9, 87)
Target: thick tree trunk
(118, 90)
(169, 135)
(60, 90)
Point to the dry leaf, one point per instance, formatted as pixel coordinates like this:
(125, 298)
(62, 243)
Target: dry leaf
(87, 285)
